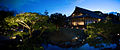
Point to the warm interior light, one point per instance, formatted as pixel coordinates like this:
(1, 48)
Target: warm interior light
(81, 23)
(99, 19)
(77, 27)
(74, 23)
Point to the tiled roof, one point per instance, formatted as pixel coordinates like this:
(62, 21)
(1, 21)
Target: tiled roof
(85, 11)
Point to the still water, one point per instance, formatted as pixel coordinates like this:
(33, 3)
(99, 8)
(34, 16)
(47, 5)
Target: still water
(84, 47)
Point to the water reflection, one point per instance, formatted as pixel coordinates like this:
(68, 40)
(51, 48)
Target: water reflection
(79, 44)
(79, 41)
(83, 47)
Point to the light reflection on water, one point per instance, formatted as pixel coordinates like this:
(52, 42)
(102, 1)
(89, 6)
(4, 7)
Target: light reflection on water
(84, 47)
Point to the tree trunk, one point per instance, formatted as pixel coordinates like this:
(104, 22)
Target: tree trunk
(57, 27)
(22, 38)
(42, 32)
(30, 32)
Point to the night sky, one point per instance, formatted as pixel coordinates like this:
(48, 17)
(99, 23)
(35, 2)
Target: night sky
(61, 6)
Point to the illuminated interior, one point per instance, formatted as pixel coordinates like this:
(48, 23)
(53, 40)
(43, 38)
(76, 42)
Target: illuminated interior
(77, 23)
(81, 23)
(99, 19)
(74, 23)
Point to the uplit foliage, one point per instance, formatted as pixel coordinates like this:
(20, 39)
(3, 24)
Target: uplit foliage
(103, 32)
(23, 19)
(104, 29)
(30, 21)
(27, 24)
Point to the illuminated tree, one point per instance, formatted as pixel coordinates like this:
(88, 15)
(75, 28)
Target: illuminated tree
(27, 24)
(28, 21)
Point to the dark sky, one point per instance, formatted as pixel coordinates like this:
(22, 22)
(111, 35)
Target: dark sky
(61, 6)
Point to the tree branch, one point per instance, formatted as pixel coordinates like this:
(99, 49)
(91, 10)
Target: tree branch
(24, 25)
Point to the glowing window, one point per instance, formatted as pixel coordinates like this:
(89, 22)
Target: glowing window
(81, 23)
(99, 19)
(74, 23)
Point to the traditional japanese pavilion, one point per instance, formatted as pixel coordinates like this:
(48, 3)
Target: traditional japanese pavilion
(81, 17)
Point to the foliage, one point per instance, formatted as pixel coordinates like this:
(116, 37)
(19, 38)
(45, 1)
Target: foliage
(99, 13)
(26, 24)
(98, 42)
(113, 18)
(58, 19)
(30, 21)
(106, 30)
(3, 25)
(103, 28)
